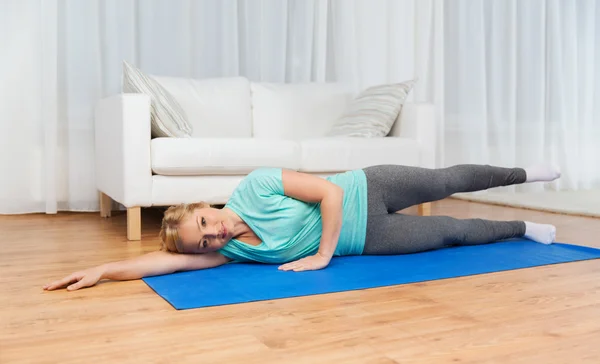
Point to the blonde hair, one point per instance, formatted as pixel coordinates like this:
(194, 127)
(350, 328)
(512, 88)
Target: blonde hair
(169, 234)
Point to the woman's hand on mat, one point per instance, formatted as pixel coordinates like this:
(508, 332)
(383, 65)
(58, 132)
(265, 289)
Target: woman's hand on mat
(77, 280)
(313, 262)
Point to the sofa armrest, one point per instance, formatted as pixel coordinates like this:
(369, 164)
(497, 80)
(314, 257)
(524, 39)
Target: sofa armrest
(417, 121)
(122, 150)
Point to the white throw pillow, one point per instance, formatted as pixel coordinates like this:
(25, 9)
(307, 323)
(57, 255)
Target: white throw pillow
(373, 112)
(167, 117)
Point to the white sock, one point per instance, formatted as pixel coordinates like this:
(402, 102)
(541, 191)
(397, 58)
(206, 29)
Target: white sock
(542, 172)
(541, 233)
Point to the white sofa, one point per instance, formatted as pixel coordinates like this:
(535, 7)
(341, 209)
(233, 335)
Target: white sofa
(238, 126)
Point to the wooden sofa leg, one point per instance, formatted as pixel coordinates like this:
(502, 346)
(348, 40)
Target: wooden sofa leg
(425, 209)
(105, 205)
(134, 223)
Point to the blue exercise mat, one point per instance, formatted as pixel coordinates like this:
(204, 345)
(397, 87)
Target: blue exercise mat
(238, 283)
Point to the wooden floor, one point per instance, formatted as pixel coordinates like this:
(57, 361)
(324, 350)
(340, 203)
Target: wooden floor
(542, 315)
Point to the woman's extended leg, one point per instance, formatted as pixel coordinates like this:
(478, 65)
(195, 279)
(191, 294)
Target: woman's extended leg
(400, 187)
(404, 234)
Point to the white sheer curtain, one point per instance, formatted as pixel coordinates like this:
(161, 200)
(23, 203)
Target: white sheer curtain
(514, 82)
(61, 56)
(522, 85)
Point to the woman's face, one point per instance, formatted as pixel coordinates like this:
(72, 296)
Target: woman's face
(206, 230)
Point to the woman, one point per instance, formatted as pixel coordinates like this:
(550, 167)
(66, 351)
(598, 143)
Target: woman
(301, 221)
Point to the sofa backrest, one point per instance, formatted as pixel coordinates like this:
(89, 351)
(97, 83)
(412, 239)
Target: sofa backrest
(216, 107)
(235, 107)
(296, 111)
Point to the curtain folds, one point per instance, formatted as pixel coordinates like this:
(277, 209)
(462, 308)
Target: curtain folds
(514, 82)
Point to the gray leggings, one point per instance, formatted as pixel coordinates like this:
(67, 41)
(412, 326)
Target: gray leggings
(392, 188)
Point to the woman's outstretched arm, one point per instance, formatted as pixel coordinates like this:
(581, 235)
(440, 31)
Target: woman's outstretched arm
(151, 264)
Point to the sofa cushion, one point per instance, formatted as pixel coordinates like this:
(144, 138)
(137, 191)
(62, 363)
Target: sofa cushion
(204, 156)
(338, 154)
(167, 117)
(373, 112)
(297, 111)
(215, 107)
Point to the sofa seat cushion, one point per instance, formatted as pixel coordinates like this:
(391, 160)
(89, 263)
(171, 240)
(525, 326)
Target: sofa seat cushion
(338, 154)
(221, 156)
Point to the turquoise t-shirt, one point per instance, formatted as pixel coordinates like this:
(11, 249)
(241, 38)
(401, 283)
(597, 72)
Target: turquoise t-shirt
(290, 229)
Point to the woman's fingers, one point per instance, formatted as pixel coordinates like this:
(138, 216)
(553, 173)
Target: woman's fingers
(61, 282)
(295, 266)
(313, 262)
(82, 283)
(289, 266)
